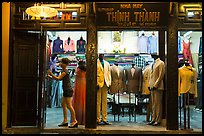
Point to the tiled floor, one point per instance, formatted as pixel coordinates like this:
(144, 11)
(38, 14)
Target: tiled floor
(54, 116)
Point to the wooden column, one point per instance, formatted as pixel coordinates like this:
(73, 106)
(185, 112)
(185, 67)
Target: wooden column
(162, 45)
(172, 69)
(91, 73)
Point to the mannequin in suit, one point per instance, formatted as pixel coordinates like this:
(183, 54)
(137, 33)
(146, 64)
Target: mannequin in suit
(156, 86)
(134, 79)
(81, 45)
(69, 45)
(145, 90)
(118, 79)
(58, 45)
(187, 80)
(103, 83)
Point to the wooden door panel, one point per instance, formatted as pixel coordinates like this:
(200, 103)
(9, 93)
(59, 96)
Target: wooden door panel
(26, 64)
(25, 79)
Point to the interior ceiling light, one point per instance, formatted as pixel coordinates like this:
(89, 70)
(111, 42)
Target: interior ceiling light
(41, 11)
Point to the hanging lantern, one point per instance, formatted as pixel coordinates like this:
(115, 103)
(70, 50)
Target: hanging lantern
(41, 11)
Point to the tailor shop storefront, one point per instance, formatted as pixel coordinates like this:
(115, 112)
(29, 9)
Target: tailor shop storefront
(92, 21)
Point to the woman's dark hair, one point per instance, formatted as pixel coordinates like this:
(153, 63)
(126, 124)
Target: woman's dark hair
(65, 61)
(82, 65)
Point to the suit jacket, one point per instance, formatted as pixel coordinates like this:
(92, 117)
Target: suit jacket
(146, 77)
(81, 46)
(70, 46)
(103, 74)
(157, 75)
(134, 83)
(57, 46)
(187, 80)
(117, 82)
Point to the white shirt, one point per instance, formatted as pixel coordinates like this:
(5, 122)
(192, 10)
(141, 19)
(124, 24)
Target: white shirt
(142, 44)
(132, 71)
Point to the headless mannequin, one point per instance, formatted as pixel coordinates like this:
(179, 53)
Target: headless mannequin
(154, 56)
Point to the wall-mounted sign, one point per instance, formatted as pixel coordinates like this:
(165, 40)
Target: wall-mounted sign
(132, 14)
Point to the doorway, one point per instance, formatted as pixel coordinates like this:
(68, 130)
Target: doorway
(60, 44)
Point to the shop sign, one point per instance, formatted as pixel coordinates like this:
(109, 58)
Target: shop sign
(135, 14)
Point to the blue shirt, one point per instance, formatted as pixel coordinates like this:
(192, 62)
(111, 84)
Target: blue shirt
(102, 62)
(179, 45)
(153, 44)
(200, 46)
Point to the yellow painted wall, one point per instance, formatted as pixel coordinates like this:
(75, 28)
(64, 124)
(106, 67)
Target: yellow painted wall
(5, 59)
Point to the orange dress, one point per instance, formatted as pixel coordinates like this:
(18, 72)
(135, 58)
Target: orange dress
(79, 96)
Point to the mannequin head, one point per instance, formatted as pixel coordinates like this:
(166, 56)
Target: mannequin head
(81, 38)
(116, 63)
(101, 56)
(133, 65)
(155, 56)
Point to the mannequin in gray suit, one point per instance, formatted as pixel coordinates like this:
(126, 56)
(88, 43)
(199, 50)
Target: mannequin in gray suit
(133, 79)
(118, 79)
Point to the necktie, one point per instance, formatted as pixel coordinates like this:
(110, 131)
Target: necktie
(102, 62)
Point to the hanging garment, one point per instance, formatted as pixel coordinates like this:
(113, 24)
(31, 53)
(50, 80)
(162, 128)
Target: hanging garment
(187, 52)
(179, 45)
(142, 44)
(200, 55)
(49, 48)
(139, 61)
(69, 47)
(152, 44)
(53, 61)
(195, 59)
(199, 99)
(187, 80)
(81, 46)
(200, 46)
(79, 95)
(58, 46)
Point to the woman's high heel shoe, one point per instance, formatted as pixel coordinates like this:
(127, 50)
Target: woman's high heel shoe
(74, 126)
